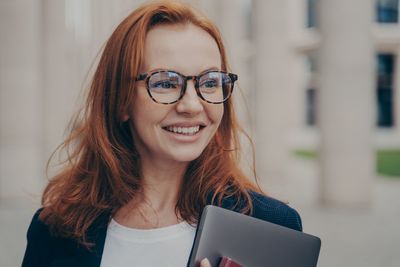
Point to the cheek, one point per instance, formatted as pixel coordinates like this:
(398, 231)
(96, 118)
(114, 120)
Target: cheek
(216, 113)
(146, 117)
(145, 111)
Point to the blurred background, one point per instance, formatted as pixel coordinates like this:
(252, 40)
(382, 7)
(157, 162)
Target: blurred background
(319, 94)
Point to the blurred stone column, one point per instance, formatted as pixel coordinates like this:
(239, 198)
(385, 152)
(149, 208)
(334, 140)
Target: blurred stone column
(21, 100)
(346, 100)
(273, 89)
(66, 29)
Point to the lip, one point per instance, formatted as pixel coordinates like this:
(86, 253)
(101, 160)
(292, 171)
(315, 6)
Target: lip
(185, 124)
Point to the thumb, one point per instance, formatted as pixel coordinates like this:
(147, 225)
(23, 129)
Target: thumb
(205, 263)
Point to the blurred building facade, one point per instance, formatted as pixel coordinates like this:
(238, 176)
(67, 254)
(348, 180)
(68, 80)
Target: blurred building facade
(276, 47)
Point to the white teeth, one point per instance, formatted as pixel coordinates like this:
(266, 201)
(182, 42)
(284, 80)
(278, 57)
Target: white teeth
(184, 130)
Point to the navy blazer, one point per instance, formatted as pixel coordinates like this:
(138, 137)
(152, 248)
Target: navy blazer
(45, 250)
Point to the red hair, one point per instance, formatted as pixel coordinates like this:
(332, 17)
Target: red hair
(103, 170)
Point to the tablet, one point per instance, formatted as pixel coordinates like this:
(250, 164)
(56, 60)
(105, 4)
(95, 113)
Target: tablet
(250, 242)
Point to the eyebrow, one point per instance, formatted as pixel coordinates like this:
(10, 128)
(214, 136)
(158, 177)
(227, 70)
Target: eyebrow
(167, 69)
(210, 69)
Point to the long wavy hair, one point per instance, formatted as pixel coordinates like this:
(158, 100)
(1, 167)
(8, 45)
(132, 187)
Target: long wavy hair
(103, 172)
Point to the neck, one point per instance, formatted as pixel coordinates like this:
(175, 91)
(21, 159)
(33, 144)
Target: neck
(162, 182)
(155, 207)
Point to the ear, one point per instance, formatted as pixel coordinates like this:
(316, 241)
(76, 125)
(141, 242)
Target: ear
(124, 117)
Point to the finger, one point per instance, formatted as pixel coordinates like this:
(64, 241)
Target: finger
(205, 263)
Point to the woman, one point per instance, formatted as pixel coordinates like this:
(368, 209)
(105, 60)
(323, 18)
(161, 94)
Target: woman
(156, 143)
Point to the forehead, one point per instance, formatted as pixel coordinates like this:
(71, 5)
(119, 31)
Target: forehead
(186, 48)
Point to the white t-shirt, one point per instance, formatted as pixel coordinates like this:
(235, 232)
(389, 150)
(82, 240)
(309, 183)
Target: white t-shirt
(162, 247)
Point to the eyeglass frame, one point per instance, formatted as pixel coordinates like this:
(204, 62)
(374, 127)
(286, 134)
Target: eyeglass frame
(146, 77)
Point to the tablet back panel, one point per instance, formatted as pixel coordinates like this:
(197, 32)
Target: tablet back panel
(251, 242)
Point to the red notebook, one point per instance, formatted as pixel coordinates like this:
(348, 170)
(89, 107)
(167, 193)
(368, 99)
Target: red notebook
(228, 262)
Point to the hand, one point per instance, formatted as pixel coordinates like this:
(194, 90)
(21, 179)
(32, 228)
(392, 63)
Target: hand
(205, 263)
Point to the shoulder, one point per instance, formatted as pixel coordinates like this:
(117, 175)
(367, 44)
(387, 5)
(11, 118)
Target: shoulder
(47, 249)
(42, 246)
(38, 237)
(275, 211)
(37, 229)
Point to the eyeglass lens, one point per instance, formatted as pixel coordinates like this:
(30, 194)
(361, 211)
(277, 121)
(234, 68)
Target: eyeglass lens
(167, 87)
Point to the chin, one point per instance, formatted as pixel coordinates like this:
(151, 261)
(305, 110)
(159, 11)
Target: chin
(186, 156)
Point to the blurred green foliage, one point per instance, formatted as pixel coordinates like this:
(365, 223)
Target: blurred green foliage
(387, 160)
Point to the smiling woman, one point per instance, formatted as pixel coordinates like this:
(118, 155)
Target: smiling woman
(158, 140)
(162, 130)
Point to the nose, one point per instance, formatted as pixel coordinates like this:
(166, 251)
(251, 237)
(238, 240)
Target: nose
(190, 103)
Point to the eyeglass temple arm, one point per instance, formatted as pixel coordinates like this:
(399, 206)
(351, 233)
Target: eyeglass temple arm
(141, 77)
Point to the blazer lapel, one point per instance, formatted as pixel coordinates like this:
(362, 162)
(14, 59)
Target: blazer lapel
(83, 257)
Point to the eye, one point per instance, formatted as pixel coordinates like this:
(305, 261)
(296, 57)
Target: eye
(210, 83)
(165, 84)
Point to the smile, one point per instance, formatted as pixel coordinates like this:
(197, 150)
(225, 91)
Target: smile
(183, 130)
